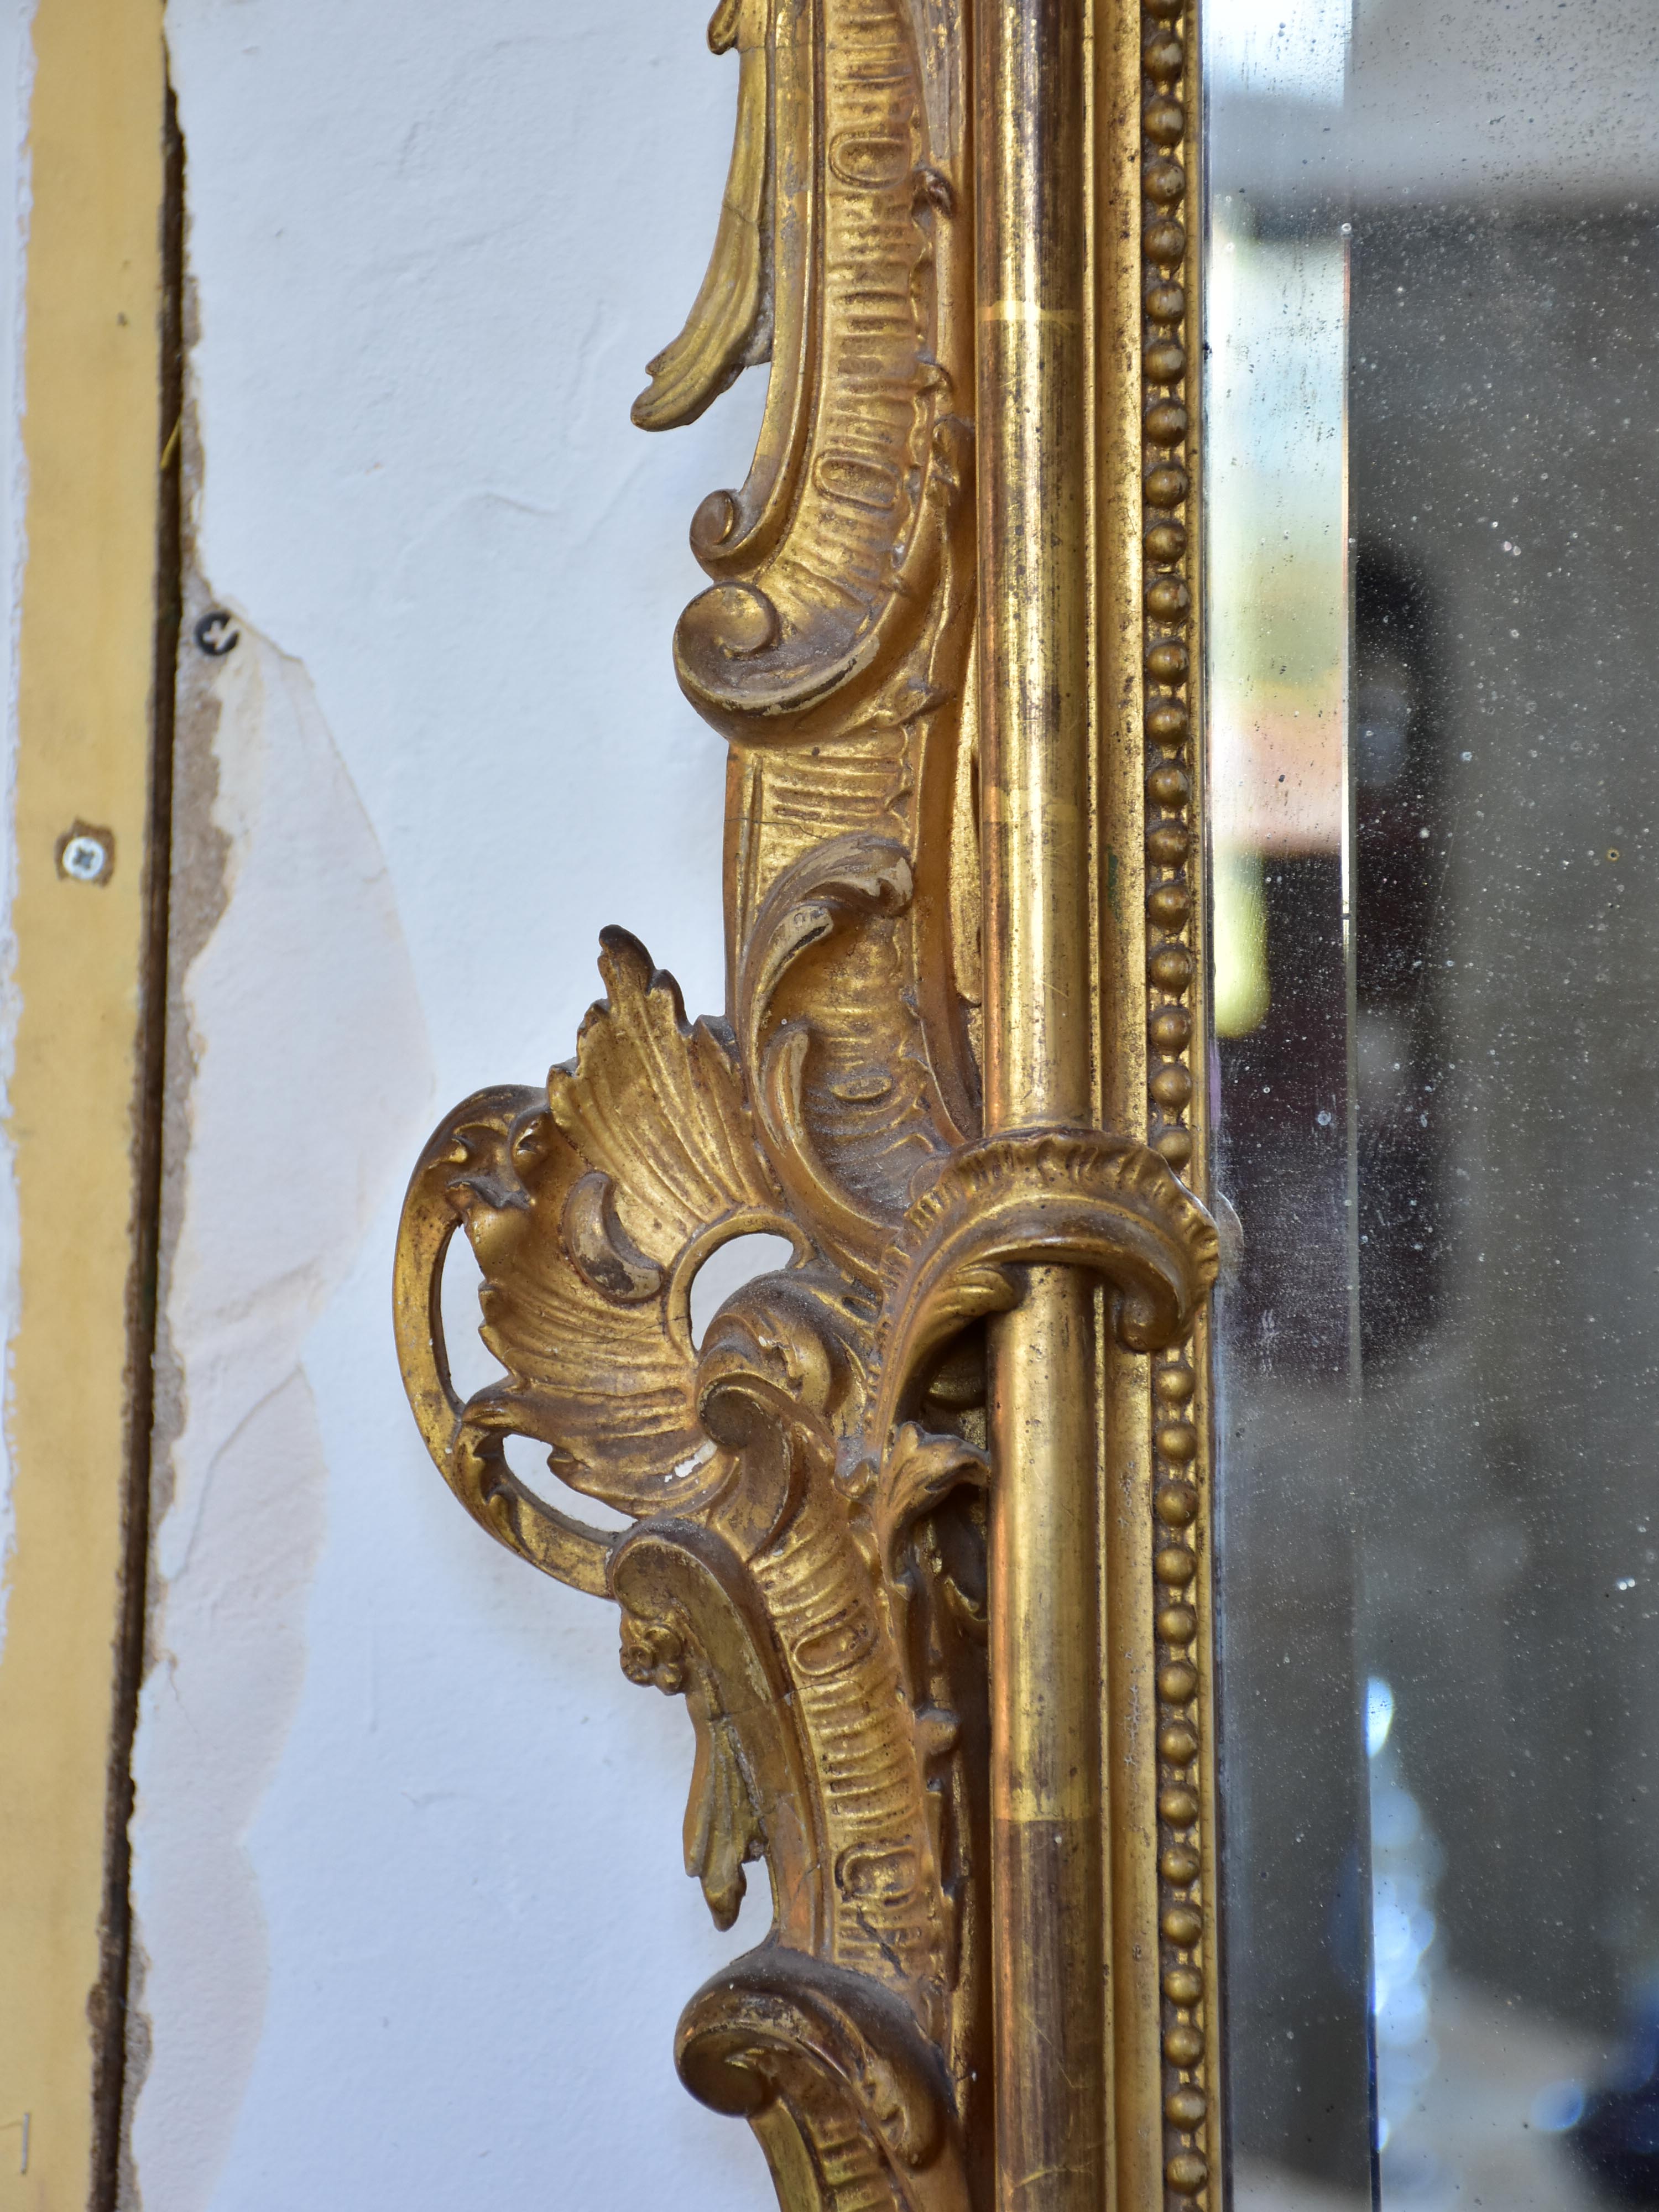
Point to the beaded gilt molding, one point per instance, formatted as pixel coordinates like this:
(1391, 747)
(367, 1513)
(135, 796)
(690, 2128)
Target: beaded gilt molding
(1187, 1874)
(809, 1488)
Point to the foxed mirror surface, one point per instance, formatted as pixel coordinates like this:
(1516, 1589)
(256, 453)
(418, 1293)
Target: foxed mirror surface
(1433, 491)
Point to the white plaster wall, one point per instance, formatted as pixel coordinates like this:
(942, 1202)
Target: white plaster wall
(414, 1931)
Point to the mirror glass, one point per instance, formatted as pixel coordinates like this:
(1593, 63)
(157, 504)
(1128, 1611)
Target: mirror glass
(1432, 487)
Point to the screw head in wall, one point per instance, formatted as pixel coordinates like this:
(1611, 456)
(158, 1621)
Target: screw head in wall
(86, 853)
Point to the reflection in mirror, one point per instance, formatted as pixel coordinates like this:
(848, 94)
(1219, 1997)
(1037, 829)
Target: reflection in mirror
(1433, 487)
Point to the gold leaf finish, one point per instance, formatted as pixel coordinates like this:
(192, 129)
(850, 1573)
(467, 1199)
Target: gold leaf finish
(728, 329)
(847, 1506)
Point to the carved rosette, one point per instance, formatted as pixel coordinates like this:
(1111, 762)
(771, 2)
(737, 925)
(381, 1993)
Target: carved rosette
(804, 1555)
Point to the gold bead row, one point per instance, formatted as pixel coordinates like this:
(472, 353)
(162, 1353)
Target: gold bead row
(1167, 608)
(1167, 602)
(1180, 1866)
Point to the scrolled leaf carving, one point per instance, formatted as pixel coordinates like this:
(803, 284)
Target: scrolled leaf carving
(1044, 1196)
(588, 1206)
(832, 545)
(729, 328)
(849, 2098)
(846, 1106)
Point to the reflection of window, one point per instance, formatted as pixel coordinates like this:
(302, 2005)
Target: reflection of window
(1279, 988)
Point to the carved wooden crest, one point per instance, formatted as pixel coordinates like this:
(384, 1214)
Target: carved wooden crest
(807, 1486)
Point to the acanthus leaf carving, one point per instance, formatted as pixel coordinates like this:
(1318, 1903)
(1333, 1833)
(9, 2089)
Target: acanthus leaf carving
(589, 1206)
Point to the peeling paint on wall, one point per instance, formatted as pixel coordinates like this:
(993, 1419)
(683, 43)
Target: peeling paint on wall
(299, 1028)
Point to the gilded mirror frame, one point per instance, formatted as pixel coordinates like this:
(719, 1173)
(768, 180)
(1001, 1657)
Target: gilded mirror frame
(920, 1526)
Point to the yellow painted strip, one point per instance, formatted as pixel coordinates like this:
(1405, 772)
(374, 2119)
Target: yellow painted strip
(92, 435)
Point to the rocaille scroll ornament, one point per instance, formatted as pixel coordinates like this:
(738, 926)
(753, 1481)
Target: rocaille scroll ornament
(805, 1561)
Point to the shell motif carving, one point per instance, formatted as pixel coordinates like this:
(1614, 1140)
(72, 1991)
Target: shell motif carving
(804, 1559)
